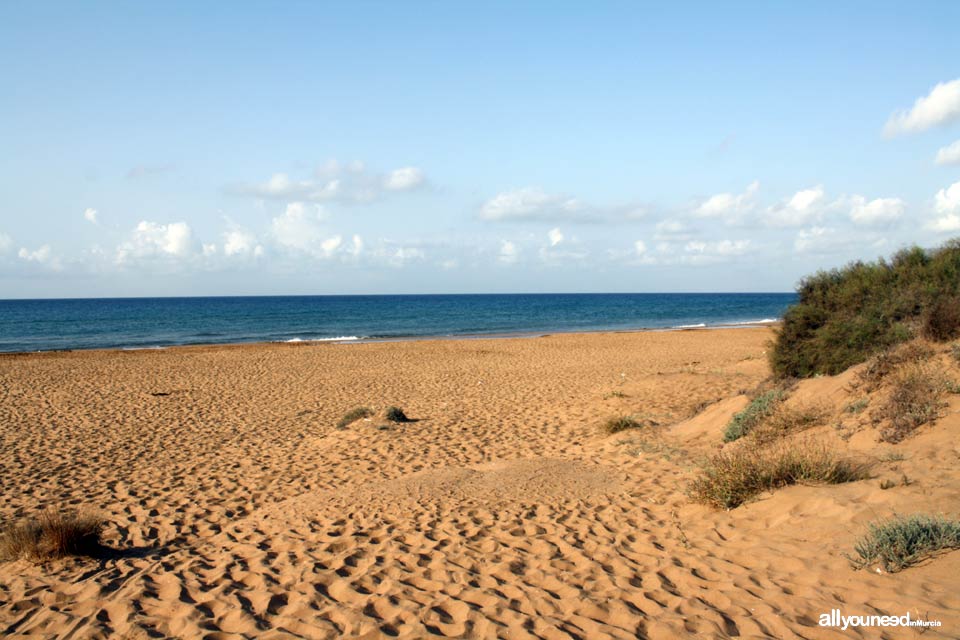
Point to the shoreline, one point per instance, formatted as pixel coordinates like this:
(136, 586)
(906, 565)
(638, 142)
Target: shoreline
(512, 335)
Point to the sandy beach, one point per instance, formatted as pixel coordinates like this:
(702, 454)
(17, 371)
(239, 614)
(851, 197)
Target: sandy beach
(236, 508)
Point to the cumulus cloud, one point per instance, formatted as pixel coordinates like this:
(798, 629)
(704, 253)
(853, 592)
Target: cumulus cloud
(151, 239)
(877, 211)
(90, 215)
(335, 182)
(555, 237)
(42, 254)
(721, 248)
(728, 207)
(940, 106)
(509, 252)
(535, 204)
(240, 242)
(949, 154)
(947, 206)
(403, 179)
(803, 207)
(299, 228)
(532, 203)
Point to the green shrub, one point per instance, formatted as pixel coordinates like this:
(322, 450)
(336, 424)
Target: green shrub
(396, 414)
(353, 415)
(52, 535)
(784, 421)
(759, 408)
(905, 540)
(731, 478)
(844, 316)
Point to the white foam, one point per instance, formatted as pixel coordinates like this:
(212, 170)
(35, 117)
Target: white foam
(690, 326)
(764, 321)
(336, 339)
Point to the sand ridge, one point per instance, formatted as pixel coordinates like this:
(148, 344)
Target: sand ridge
(238, 509)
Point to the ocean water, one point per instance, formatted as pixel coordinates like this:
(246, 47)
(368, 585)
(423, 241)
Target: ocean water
(38, 325)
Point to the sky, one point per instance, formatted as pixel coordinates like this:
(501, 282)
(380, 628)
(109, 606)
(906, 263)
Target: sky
(175, 148)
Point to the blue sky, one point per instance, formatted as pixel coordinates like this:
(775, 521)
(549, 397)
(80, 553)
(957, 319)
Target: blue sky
(260, 148)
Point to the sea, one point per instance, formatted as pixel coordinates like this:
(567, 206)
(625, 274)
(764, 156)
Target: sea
(153, 323)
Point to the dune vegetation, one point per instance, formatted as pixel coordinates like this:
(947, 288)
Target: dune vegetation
(844, 316)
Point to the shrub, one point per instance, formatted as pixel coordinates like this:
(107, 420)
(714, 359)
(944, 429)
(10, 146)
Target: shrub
(353, 415)
(731, 478)
(886, 362)
(759, 408)
(52, 535)
(783, 421)
(857, 406)
(844, 316)
(915, 399)
(620, 423)
(905, 540)
(941, 322)
(396, 414)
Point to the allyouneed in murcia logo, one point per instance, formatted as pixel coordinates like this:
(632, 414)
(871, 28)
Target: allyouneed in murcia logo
(837, 619)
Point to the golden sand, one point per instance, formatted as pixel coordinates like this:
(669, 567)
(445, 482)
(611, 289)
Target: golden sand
(236, 508)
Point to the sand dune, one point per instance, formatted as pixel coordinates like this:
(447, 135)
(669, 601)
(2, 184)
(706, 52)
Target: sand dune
(236, 508)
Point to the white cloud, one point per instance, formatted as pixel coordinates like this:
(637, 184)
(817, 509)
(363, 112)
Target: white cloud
(640, 247)
(5, 242)
(42, 254)
(240, 242)
(722, 248)
(877, 211)
(298, 227)
(672, 230)
(949, 154)
(801, 208)
(334, 182)
(816, 240)
(151, 239)
(940, 106)
(357, 248)
(209, 249)
(509, 253)
(403, 179)
(90, 215)
(947, 206)
(531, 203)
(555, 236)
(728, 206)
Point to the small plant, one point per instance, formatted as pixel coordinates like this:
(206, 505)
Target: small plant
(784, 421)
(52, 535)
(955, 351)
(731, 478)
(905, 540)
(892, 456)
(857, 406)
(892, 360)
(616, 394)
(353, 415)
(759, 408)
(396, 414)
(620, 423)
(915, 400)
(887, 484)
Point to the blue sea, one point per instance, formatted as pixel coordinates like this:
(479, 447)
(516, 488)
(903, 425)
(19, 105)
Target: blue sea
(126, 323)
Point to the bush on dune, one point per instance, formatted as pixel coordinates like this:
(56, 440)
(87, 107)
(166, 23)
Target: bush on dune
(731, 478)
(52, 535)
(906, 540)
(916, 398)
(353, 415)
(844, 316)
(760, 408)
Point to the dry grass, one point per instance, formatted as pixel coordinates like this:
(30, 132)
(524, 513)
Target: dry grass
(733, 477)
(916, 398)
(785, 421)
(52, 535)
(621, 423)
(890, 361)
(353, 415)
